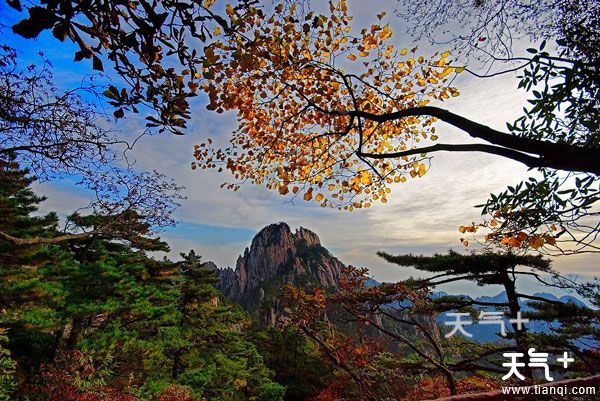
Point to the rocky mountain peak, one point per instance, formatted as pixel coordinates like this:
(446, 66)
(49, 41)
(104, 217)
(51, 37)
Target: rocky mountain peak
(276, 257)
(304, 234)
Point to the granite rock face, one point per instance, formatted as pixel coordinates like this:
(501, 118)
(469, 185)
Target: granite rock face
(277, 257)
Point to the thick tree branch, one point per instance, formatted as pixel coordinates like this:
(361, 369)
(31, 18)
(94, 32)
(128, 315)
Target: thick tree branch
(561, 156)
(524, 158)
(335, 360)
(45, 241)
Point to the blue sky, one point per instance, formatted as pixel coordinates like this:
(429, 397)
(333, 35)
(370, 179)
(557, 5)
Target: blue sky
(422, 215)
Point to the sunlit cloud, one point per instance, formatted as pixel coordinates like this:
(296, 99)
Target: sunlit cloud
(421, 216)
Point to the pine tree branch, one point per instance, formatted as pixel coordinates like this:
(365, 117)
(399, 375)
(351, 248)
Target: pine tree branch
(45, 241)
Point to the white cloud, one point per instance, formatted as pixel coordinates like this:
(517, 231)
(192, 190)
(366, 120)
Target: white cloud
(422, 216)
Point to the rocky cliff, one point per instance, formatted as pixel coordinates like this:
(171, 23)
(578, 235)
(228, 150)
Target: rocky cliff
(276, 257)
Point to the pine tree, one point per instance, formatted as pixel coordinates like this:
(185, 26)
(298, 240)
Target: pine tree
(295, 361)
(140, 323)
(7, 370)
(161, 324)
(17, 203)
(570, 323)
(28, 301)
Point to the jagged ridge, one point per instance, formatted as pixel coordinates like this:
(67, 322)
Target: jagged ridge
(276, 257)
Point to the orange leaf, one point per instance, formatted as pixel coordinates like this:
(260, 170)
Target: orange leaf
(514, 242)
(283, 189)
(550, 239)
(536, 242)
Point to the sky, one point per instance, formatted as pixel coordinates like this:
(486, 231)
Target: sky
(422, 216)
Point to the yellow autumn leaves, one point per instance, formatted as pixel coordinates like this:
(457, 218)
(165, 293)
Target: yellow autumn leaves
(297, 133)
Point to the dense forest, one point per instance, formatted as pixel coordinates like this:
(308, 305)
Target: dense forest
(98, 318)
(91, 309)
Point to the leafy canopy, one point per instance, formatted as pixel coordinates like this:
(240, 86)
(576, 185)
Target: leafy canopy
(137, 39)
(288, 87)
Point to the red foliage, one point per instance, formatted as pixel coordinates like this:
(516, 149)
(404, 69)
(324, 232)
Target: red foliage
(437, 387)
(333, 392)
(356, 353)
(174, 393)
(59, 381)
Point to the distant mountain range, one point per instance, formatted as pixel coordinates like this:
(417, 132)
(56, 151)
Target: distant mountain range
(485, 333)
(501, 297)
